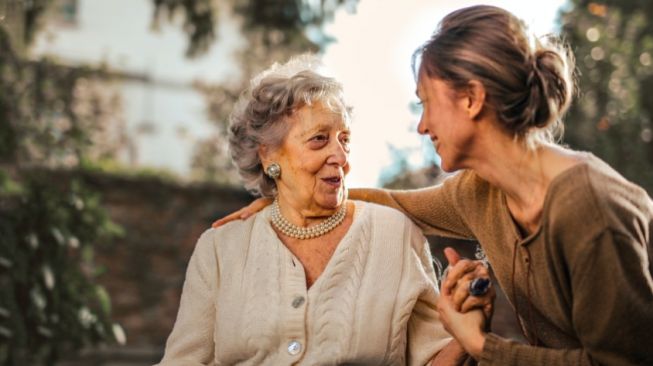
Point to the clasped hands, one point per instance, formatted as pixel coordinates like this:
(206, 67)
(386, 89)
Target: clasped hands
(464, 316)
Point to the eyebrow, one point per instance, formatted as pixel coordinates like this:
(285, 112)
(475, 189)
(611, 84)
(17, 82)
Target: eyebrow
(321, 127)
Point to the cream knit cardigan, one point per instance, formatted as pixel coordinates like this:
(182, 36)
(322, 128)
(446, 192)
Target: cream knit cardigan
(245, 299)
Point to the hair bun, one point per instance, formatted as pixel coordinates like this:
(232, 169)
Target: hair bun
(550, 86)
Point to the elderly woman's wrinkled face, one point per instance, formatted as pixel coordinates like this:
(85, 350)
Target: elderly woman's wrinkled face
(314, 159)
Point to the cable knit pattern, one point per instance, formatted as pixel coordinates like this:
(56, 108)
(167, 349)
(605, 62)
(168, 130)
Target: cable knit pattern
(337, 301)
(248, 304)
(259, 328)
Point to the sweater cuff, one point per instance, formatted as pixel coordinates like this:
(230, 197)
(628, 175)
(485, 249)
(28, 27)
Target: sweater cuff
(491, 354)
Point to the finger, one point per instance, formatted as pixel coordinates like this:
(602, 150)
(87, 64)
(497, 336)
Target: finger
(455, 273)
(473, 302)
(461, 291)
(488, 311)
(443, 305)
(254, 207)
(259, 204)
(245, 212)
(231, 217)
(482, 268)
(452, 256)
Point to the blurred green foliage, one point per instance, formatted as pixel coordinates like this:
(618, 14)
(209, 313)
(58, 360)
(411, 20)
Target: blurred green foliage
(49, 302)
(612, 117)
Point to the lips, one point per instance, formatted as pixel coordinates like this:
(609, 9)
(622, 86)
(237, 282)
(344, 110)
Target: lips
(333, 181)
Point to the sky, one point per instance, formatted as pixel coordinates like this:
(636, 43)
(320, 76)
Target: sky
(371, 57)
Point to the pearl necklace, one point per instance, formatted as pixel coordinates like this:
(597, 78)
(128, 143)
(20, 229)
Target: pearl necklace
(298, 232)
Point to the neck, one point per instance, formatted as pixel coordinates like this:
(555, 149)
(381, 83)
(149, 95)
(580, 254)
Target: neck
(518, 171)
(523, 174)
(304, 214)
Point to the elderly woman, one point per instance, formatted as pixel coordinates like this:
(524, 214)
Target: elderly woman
(314, 278)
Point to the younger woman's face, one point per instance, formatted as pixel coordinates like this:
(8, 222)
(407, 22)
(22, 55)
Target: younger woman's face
(446, 121)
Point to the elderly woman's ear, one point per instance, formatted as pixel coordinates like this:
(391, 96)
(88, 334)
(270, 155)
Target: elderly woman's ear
(266, 155)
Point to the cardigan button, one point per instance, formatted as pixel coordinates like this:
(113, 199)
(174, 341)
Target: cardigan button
(297, 302)
(294, 348)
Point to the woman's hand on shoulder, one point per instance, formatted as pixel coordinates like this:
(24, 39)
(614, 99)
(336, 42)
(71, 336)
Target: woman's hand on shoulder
(245, 212)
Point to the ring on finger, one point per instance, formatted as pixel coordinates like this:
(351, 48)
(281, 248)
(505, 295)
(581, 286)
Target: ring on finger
(479, 286)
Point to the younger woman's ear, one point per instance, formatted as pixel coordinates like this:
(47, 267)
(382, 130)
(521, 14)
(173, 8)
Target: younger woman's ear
(475, 99)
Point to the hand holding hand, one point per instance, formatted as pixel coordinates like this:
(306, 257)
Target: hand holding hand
(463, 315)
(456, 283)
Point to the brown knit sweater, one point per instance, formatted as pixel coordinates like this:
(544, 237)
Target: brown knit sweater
(581, 284)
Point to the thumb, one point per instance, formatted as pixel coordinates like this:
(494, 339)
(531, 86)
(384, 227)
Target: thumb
(452, 255)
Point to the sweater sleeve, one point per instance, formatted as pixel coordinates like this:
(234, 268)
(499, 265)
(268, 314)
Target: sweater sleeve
(612, 301)
(191, 341)
(436, 209)
(426, 334)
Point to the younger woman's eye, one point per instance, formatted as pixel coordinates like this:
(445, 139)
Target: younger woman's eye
(417, 107)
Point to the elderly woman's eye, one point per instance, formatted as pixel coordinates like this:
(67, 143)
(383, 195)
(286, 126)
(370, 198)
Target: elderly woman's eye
(318, 141)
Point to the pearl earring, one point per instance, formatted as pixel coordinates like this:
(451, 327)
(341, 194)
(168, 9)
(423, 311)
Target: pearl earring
(273, 171)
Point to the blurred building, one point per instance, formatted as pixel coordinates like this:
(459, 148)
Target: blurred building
(147, 71)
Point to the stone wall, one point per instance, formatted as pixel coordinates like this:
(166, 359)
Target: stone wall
(145, 268)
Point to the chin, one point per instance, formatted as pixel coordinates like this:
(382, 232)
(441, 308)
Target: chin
(448, 167)
(333, 200)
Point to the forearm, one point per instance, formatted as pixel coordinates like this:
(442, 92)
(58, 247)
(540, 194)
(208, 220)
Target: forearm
(452, 354)
(374, 195)
(431, 209)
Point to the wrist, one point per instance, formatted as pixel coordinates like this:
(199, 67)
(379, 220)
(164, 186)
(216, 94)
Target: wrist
(476, 345)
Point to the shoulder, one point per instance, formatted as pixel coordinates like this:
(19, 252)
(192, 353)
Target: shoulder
(389, 224)
(592, 197)
(383, 217)
(613, 191)
(229, 236)
(376, 212)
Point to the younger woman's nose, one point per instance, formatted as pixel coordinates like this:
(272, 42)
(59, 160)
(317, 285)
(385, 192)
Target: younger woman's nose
(421, 127)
